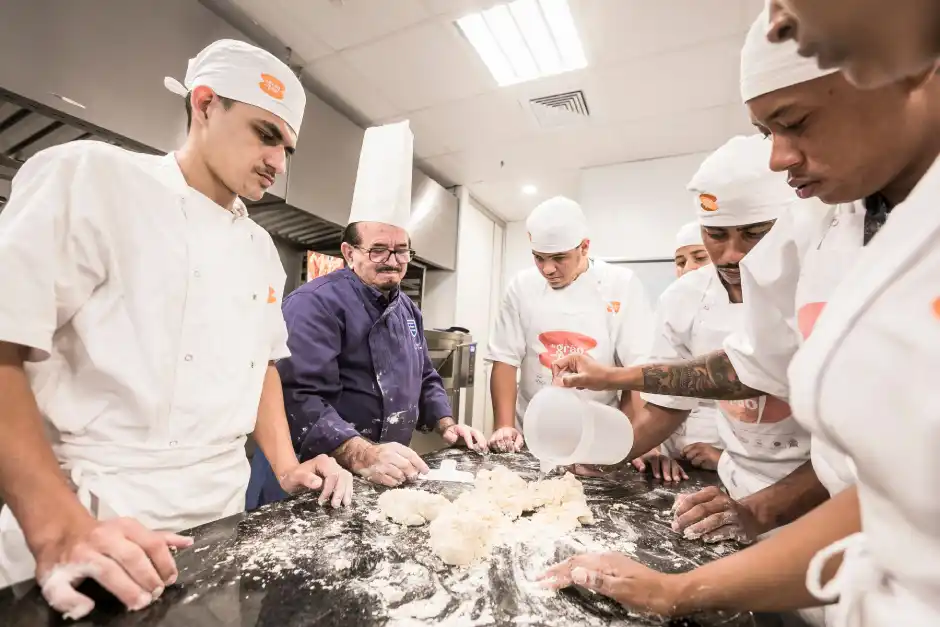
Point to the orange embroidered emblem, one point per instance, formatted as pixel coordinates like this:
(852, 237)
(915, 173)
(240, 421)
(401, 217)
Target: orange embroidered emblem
(936, 306)
(708, 202)
(272, 297)
(613, 306)
(272, 86)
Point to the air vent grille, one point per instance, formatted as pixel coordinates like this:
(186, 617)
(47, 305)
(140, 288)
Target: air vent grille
(560, 109)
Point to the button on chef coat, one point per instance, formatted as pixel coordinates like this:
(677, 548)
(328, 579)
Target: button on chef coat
(786, 281)
(141, 369)
(760, 440)
(359, 366)
(605, 313)
(866, 383)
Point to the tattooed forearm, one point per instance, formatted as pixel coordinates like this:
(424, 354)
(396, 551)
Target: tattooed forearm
(712, 376)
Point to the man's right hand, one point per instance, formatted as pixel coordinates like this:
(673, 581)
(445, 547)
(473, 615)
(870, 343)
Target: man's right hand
(389, 464)
(127, 559)
(506, 440)
(582, 372)
(713, 516)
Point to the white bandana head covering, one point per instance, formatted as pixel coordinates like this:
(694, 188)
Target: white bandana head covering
(383, 180)
(735, 186)
(689, 235)
(246, 73)
(767, 67)
(556, 226)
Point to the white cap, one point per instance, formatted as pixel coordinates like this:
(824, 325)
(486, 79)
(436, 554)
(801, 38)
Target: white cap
(767, 67)
(689, 235)
(735, 186)
(383, 181)
(246, 73)
(557, 225)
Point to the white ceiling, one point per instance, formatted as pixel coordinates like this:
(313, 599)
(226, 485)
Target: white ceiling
(662, 80)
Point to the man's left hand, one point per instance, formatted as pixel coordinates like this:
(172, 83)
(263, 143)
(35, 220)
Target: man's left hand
(458, 434)
(701, 455)
(617, 576)
(320, 472)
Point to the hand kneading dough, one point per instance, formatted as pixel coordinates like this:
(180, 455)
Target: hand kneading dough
(466, 529)
(411, 507)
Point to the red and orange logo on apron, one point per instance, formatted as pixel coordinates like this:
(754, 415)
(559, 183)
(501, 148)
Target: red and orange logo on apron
(560, 344)
(613, 306)
(272, 296)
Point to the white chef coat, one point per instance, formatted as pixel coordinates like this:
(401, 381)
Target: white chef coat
(762, 442)
(786, 279)
(151, 314)
(605, 313)
(865, 382)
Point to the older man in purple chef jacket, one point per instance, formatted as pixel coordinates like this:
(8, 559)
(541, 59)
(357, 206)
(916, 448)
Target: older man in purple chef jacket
(359, 379)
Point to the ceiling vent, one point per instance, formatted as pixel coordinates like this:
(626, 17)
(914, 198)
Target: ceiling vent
(567, 109)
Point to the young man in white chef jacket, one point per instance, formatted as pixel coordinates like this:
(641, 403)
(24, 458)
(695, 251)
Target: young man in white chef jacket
(568, 303)
(738, 199)
(138, 330)
(850, 387)
(690, 249)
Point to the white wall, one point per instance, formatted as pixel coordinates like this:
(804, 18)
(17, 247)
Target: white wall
(635, 209)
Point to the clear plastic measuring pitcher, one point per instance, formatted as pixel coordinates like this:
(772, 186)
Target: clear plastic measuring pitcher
(562, 428)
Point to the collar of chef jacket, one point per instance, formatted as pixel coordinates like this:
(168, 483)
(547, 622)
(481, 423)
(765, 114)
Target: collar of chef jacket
(171, 174)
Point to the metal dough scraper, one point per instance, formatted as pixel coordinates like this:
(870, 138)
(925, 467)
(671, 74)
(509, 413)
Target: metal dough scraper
(448, 472)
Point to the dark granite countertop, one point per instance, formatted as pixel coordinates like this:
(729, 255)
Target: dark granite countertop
(296, 564)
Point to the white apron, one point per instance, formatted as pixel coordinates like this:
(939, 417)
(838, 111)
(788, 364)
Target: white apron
(564, 322)
(184, 360)
(865, 381)
(762, 442)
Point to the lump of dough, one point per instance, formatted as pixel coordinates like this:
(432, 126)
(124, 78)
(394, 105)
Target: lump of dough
(465, 530)
(509, 491)
(555, 491)
(411, 507)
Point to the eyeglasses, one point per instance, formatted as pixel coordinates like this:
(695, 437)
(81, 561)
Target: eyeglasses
(382, 255)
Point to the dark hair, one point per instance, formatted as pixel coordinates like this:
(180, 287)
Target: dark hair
(352, 237)
(226, 104)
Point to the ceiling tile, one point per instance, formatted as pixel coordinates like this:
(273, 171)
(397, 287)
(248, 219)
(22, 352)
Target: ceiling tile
(505, 198)
(615, 30)
(422, 66)
(345, 23)
(280, 19)
(334, 75)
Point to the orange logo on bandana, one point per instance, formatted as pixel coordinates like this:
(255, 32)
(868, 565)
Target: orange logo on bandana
(708, 202)
(560, 344)
(613, 306)
(936, 307)
(272, 86)
(272, 297)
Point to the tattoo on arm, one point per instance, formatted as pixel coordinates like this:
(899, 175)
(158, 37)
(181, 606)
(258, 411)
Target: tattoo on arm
(712, 376)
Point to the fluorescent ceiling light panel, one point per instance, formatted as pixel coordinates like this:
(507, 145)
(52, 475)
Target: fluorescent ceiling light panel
(525, 39)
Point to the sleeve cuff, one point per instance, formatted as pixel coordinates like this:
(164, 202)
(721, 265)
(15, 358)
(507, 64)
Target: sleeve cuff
(510, 360)
(434, 410)
(326, 435)
(37, 340)
(682, 403)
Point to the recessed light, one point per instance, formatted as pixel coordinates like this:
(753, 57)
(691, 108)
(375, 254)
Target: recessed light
(68, 100)
(525, 39)
(529, 190)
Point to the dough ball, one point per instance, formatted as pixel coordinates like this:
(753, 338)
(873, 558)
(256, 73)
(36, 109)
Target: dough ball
(466, 529)
(411, 507)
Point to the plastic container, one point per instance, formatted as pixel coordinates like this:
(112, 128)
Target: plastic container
(562, 428)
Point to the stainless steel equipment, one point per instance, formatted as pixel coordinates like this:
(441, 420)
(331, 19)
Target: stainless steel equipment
(453, 355)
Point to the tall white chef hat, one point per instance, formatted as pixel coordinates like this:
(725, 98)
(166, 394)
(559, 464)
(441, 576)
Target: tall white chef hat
(767, 67)
(557, 225)
(689, 235)
(246, 73)
(383, 181)
(735, 186)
